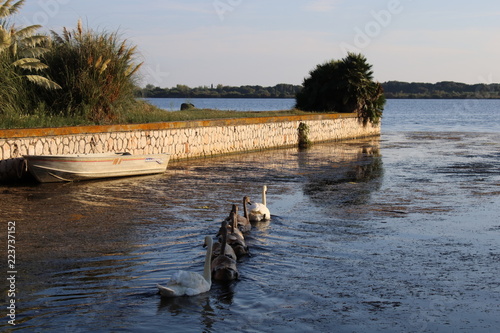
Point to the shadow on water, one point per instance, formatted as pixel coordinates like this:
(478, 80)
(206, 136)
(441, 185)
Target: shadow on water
(347, 179)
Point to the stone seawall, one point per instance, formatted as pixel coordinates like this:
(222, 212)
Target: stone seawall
(190, 139)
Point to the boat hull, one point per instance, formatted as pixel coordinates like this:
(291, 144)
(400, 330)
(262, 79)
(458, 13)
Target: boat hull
(64, 168)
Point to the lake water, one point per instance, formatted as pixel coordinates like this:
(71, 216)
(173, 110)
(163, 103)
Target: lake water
(394, 234)
(403, 115)
(237, 104)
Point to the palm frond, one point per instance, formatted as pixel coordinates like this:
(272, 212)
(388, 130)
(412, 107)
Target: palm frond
(26, 31)
(33, 41)
(7, 8)
(15, 7)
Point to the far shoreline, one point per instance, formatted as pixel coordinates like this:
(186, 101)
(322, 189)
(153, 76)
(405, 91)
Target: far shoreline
(392, 90)
(429, 98)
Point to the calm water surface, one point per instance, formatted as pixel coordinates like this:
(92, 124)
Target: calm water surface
(237, 104)
(397, 234)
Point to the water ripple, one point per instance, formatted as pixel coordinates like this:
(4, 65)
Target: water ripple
(395, 235)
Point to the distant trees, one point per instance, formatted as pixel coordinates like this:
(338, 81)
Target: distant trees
(344, 85)
(220, 91)
(392, 90)
(442, 90)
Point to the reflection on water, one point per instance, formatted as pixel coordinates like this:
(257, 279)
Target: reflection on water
(348, 177)
(365, 235)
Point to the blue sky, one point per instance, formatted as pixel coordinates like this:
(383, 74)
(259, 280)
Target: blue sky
(266, 42)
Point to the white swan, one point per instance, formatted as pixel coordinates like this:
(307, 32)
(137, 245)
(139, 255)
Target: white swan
(259, 211)
(185, 283)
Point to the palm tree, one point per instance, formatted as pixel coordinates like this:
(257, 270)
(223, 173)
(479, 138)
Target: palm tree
(364, 96)
(20, 49)
(343, 86)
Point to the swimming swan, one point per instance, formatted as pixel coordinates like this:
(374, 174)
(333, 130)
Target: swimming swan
(231, 227)
(259, 211)
(243, 221)
(223, 266)
(185, 283)
(216, 248)
(235, 238)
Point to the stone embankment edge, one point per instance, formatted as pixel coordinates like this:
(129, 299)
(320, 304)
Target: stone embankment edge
(182, 139)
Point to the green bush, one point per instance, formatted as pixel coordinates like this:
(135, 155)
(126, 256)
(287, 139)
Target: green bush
(343, 86)
(96, 71)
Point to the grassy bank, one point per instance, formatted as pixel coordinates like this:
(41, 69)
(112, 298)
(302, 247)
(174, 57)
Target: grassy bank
(139, 112)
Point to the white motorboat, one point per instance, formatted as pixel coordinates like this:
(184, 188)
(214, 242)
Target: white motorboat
(76, 167)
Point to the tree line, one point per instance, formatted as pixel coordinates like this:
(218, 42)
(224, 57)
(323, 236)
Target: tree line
(392, 90)
(441, 90)
(220, 91)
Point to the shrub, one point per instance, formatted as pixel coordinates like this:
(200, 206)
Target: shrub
(96, 72)
(303, 133)
(343, 86)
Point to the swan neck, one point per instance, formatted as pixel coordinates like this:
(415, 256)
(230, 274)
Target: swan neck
(235, 222)
(207, 271)
(245, 208)
(264, 196)
(223, 240)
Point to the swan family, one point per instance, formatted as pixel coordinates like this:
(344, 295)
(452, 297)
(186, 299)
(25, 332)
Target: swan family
(221, 257)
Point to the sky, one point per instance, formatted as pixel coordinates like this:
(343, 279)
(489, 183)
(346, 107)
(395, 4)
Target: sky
(267, 42)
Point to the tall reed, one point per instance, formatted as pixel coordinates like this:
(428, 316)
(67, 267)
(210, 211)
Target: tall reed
(96, 71)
